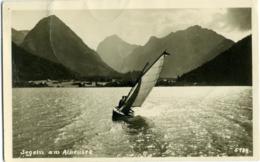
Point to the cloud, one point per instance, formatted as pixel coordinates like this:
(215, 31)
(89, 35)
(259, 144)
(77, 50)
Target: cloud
(239, 18)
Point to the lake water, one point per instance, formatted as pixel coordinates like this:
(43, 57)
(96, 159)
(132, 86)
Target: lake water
(173, 122)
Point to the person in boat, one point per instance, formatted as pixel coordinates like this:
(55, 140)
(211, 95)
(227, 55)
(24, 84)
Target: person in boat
(121, 102)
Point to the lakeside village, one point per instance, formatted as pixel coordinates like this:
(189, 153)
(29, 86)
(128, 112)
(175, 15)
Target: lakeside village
(85, 83)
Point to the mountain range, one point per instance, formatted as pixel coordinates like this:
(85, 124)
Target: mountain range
(26, 67)
(232, 67)
(114, 51)
(18, 36)
(53, 40)
(53, 46)
(190, 48)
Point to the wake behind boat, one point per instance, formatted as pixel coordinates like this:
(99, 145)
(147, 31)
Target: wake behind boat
(141, 89)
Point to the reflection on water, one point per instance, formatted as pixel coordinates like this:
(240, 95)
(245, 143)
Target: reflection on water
(143, 140)
(176, 121)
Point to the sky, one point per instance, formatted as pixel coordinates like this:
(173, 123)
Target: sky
(136, 26)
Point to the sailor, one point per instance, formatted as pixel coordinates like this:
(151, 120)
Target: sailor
(121, 102)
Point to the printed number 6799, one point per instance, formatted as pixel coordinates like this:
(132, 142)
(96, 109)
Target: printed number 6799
(242, 150)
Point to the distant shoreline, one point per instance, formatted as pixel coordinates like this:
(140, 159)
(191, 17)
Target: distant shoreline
(48, 83)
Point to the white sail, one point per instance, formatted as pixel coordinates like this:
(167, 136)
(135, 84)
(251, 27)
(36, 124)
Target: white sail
(148, 81)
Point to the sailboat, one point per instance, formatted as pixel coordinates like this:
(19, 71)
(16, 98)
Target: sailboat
(141, 89)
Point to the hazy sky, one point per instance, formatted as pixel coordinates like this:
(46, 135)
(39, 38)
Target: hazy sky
(137, 26)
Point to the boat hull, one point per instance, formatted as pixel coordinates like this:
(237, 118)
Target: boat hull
(119, 116)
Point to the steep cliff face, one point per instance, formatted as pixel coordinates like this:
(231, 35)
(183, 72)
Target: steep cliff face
(232, 67)
(53, 40)
(26, 67)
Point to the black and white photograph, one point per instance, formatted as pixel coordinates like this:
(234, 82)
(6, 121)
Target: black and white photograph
(131, 83)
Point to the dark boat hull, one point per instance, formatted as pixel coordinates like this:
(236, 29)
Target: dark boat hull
(119, 116)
